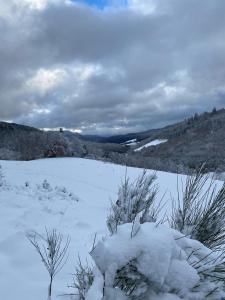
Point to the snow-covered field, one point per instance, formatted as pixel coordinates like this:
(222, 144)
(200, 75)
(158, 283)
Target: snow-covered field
(77, 203)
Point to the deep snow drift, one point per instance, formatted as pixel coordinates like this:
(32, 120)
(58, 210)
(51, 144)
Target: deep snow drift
(75, 199)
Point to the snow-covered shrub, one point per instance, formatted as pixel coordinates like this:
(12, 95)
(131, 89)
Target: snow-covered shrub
(157, 263)
(27, 184)
(46, 185)
(82, 280)
(45, 191)
(135, 200)
(64, 193)
(200, 211)
(4, 185)
(142, 259)
(1, 177)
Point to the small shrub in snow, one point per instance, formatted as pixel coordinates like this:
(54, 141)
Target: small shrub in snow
(82, 280)
(64, 193)
(2, 182)
(200, 213)
(135, 200)
(157, 263)
(27, 184)
(52, 251)
(46, 192)
(46, 185)
(144, 260)
(4, 185)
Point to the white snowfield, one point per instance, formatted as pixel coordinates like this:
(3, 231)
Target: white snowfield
(152, 143)
(76, 203)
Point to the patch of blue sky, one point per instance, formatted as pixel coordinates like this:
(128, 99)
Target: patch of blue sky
(101, 4)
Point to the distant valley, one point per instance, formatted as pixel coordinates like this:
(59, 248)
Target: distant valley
(176, 148)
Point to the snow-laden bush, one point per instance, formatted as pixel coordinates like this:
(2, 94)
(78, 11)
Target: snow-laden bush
(135, 199)
(1, 177)
(4, 185)
(200, 211)
(46, 186)
(45, 191)
(142, 259)
(157, 263)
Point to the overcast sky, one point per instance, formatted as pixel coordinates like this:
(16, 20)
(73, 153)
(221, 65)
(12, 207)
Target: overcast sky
(110, 67)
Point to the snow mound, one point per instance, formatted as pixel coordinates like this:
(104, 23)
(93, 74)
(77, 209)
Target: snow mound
(152, 143)
(157, 263)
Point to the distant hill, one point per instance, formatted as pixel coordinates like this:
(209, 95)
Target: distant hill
(118, 139)
(187, 144)
(192, 142)
(164, 132)
(19, 142)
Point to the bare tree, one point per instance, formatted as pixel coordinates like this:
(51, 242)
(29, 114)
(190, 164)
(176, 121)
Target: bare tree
(53, 252)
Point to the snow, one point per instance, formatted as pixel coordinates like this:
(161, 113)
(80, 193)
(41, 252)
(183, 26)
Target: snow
(132, 142)
(162, 255)
(152, 143)
(75, 199)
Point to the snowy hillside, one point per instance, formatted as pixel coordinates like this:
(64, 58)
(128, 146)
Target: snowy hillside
(132, 142)
(26, 208)
(70, 194)
(152, 143)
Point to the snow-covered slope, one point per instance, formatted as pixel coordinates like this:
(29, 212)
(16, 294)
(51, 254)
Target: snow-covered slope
(152, 143)
(76, 203)
(132, 142)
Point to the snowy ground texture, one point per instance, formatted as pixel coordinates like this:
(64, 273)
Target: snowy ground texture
(72, 195)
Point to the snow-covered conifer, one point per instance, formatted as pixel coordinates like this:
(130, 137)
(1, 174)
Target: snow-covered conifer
(200, 211)
(135, 199)
(157, 263)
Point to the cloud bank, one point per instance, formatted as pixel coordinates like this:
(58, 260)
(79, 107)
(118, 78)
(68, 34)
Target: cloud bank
(131, 66)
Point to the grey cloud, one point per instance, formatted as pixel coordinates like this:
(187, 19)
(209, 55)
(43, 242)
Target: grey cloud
(140, 59)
